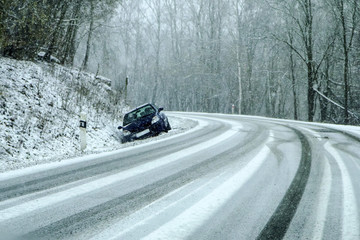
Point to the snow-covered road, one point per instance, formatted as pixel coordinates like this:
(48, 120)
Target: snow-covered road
(230, 177)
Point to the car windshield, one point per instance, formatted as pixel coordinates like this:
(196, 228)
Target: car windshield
(138, 113)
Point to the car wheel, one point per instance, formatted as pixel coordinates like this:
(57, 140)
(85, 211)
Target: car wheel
(126, 139)
(167, 126)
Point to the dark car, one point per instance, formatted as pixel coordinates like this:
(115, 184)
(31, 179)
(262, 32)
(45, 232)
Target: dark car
(144, 121)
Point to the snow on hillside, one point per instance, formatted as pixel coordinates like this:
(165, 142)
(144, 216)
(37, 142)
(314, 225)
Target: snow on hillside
(39, 113)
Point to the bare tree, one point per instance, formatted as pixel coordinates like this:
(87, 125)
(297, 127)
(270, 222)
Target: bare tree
(346, 13)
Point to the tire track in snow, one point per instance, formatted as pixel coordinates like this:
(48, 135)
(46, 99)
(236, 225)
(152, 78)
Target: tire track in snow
(187, 222)
(174, 202)
(323, 201)
(279, 222)
(350, 227)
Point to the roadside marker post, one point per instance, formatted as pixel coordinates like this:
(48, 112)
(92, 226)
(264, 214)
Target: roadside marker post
(82, 131)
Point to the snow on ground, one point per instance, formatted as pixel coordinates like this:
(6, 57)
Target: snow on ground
(39, 114)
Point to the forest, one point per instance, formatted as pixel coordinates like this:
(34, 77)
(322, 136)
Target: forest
(293, 59)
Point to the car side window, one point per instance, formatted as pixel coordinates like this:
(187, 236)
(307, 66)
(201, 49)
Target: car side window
(140, 114)
(131, 117)
(148, 111)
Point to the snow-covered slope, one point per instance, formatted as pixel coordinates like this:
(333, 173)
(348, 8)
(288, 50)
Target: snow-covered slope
(40, 106)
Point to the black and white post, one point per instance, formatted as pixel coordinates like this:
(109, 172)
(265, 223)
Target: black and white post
(82, 131)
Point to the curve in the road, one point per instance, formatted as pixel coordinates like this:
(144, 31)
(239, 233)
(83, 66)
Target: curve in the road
(233, 178)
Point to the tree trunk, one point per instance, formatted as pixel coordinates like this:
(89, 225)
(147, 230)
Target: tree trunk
(69, 49)
(346, 61)
(157, 59)
(292, 73)
(91, 28)
(54, 39)
(310, 63)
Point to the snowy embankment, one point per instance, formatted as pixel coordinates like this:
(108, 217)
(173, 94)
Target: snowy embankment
(39, 114)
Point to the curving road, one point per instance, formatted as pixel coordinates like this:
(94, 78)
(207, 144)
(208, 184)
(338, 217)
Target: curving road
(231, 177)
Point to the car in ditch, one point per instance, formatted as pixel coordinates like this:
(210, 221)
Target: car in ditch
(144, 121)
